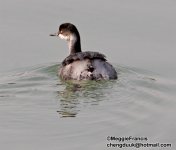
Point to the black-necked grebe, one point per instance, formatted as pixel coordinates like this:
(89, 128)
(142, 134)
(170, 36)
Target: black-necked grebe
(82, 65)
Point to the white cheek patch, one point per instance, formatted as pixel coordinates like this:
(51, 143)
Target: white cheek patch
(64, 37)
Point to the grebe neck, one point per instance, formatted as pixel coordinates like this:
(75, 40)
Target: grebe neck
(74, 43)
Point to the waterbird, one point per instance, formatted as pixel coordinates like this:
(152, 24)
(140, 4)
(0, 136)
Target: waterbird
(78, 65)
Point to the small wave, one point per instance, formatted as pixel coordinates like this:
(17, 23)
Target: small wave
(144, 88)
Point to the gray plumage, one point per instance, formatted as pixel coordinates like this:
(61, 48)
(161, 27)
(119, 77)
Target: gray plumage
(87, 66)
(82, 56)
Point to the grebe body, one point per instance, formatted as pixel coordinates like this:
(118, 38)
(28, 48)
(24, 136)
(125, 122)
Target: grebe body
(82, 65)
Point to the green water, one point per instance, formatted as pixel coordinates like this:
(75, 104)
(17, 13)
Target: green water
(39, 111)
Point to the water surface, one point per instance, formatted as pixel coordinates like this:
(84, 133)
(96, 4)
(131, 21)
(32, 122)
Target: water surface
(39, 111)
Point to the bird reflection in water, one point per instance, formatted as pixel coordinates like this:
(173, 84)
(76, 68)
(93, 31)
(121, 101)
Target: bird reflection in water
(75, 96)
(68, 101)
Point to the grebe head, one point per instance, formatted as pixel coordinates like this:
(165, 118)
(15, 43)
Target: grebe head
(69, 32)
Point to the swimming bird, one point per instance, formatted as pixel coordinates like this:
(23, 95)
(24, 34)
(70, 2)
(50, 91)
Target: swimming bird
(80, 65)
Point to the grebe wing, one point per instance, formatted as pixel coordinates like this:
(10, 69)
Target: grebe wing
(83, 55)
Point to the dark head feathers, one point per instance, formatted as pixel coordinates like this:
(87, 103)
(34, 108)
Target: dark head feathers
(68, 27)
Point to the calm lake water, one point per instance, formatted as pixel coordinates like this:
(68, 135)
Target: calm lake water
(38, 111)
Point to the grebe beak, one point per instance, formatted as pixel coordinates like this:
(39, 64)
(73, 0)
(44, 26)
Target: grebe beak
(54, 34)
